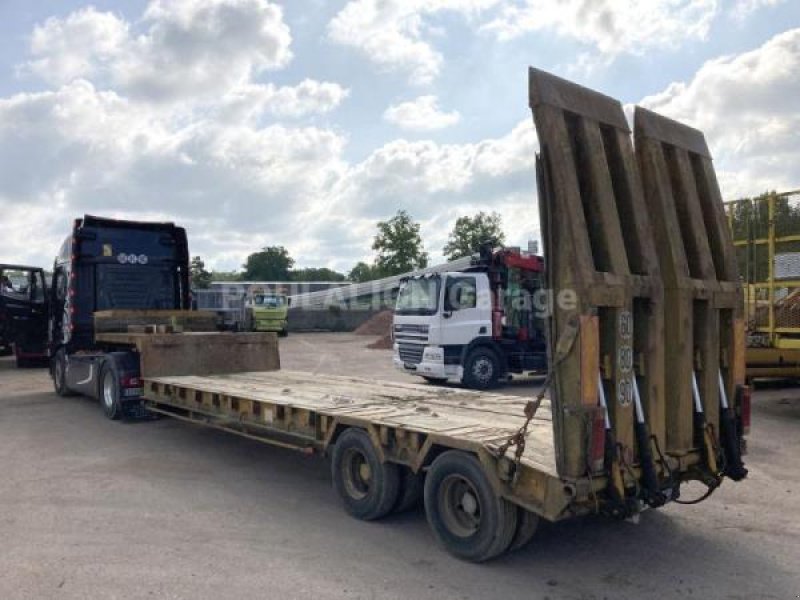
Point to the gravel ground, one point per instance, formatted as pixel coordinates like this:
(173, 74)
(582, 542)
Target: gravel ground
(96, 509)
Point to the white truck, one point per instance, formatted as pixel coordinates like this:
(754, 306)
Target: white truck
(475, 326)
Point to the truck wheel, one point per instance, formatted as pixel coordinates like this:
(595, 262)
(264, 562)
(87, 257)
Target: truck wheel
(527, 525)
(481, 369)
(411, 486)
(368, 487)
(465, 514)
(60, 374)
(283, 333)
(109, 394)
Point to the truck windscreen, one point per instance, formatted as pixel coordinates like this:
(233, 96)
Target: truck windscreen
(136, 287)
(418, 296)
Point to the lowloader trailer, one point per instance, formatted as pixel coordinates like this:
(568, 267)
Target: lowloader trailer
(644, 390)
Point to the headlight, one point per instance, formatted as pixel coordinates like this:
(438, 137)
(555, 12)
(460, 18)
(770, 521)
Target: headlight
(434, 354)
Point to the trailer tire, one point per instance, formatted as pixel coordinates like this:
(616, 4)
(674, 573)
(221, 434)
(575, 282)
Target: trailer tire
(411, 488)
(368, 487)
(109, 394)
(481, 369)
(60, 374)
(463, 510)
(527, 525)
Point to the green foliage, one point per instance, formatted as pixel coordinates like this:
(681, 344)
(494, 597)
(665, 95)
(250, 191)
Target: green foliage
(469, 233)
(399, 245)
(316, 274)
(363, 272)
(201, 278)
(272, 263)
(226, 276)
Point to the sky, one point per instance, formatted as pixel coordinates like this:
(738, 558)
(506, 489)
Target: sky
(303, 123)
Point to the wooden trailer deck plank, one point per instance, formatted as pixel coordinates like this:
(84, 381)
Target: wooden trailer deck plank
(466, 416)
(498, 405)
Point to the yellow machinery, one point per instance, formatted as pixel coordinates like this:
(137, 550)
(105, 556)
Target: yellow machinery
(766, 233)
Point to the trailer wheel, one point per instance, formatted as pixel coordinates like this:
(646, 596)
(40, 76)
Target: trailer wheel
(368, 487)
(527, 525)
(60, 374)
(463, 510)
(481, 369)
(411, 487)
(109, 394)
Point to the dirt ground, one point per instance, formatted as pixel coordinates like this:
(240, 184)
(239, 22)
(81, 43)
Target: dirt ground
(91, 508)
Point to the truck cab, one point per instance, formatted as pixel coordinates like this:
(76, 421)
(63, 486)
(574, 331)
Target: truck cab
(475, 326)
(267, 311)
(23, 313)
(107, 264)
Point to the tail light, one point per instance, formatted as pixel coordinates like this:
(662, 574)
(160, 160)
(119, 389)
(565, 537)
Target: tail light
(598, 447)
(128, 381)
(745, 408)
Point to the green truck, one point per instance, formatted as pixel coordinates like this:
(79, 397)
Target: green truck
(267, 311)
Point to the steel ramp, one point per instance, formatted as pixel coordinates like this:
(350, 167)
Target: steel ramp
(640, 238)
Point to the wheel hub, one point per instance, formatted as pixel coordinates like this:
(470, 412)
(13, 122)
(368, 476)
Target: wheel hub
(469, 504)
(356, 474)
(460, 506)
(482, 369)
(108, 391)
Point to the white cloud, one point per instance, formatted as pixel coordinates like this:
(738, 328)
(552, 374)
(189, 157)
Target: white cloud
(610, 26)
(437, 183)
(308, 97)
(746, 105)
(742, 9)
(392, 33)
(420, 114)
(189, 48)
(77, 46)
(79, 150)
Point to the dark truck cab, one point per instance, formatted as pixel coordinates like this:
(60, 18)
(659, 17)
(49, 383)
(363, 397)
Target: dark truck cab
(23, 313)
(108, 264)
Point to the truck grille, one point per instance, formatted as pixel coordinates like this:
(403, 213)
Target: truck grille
(411, 353)
(411, 333)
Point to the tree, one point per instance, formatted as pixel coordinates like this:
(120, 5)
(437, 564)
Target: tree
(201, 279)
(316, 274)
(225, 276)
(363, 272)
(469, 233)
(399, 245)
(272, 263)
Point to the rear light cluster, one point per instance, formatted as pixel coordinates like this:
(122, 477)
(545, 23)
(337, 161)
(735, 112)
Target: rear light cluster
(745, 408)
(130, 382)
(598, 448)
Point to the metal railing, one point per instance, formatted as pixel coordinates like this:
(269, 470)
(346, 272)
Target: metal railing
(766, 234)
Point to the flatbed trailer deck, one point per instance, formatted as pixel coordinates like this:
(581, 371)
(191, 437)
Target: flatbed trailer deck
(411, 424)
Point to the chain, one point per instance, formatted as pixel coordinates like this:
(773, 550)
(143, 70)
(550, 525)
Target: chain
(518, 438)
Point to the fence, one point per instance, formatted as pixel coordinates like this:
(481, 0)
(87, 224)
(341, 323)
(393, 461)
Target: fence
(766, 233)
